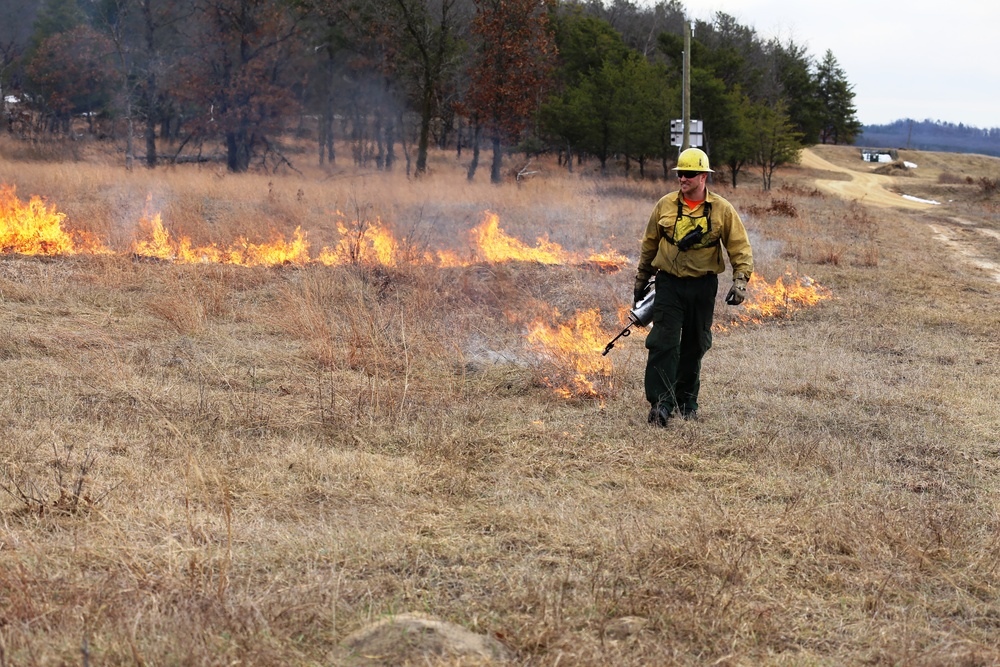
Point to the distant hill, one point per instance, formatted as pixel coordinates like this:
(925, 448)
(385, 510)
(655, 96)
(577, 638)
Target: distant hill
(929, 135)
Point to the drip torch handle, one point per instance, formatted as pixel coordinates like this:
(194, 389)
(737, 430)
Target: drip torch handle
(624, 334)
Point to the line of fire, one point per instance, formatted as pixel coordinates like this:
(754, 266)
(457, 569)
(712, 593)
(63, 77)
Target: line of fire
(570, 347)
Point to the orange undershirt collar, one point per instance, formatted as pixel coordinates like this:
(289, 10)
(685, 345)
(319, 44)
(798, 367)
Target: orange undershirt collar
(692, 205)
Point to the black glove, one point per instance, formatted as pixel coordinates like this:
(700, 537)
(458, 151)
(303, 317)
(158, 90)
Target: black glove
(738, 292)
(640, 293)
(641, 289)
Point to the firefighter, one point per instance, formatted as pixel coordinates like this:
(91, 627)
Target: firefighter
(682, 251)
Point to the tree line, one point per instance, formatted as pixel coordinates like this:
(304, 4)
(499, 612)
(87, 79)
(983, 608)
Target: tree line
(389, 79)
(932, 135)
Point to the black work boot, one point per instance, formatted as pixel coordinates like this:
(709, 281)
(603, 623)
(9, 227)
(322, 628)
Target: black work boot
(659, 415)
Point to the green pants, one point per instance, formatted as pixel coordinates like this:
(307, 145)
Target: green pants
(680, 337)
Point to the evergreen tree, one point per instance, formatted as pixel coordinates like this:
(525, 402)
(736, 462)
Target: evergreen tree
(735, 149)
(595, 98)
(326, 30)
(839, 120)
(49, 65)
(584, 44)
(56, 17)
(563, 119)
(731, 52)
(636, 125)
(579, 113)
(799, 87)
(15, 35)
(773, 138)
(717, 107)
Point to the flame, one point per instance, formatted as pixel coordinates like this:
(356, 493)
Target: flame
(445, 258)
(362, 243)
(160, 246)
(277, 252)
(274, 253)
(573, 350)
(609, 261)
(779, 300)
(36, 229)
(494, 245)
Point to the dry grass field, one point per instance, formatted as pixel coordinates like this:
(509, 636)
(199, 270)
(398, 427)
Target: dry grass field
(205, 462)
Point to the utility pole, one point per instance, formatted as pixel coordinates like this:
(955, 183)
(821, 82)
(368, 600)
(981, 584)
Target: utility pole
(686, 94)
(684, 131)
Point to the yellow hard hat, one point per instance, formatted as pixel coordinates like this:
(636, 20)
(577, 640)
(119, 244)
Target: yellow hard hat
(693, 159)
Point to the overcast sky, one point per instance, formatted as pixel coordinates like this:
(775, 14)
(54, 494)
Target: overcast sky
(905, 58)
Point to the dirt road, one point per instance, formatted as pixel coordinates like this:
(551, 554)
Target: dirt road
(963, 236)
(864, 187)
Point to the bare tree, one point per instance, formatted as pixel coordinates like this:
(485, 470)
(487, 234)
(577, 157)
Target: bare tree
(512, 68)
(235, 77)
(428, 55)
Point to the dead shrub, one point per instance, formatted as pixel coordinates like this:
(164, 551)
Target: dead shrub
(782, 207)
(793, 189)
(67, 489)
(185, 314)
(988, 186)
(858, 222)
(897, 168)
(829, 254)
(868, 255)
(949, 178)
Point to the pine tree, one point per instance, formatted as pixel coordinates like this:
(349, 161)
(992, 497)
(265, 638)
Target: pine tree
(54, 18)
(773, 138)
(839, 120)
(799, 85)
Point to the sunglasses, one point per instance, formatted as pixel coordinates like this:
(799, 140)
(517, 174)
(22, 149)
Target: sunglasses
(688, 174)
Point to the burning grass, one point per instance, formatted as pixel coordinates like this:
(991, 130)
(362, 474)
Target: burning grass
(567, 349)
(207, 462)
(774, 301)
(35, 228)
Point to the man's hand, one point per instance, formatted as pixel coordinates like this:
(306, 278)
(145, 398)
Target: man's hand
(640, 293)
(738, 292)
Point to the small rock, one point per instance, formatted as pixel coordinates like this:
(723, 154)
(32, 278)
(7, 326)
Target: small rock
(410, 638)
(624, 627)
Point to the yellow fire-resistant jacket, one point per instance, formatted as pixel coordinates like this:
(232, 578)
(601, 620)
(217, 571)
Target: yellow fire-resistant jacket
(660, 252)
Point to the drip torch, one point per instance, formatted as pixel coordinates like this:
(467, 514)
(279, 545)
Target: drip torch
(640, 314)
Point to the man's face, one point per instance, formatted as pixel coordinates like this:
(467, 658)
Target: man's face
(692, 184)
